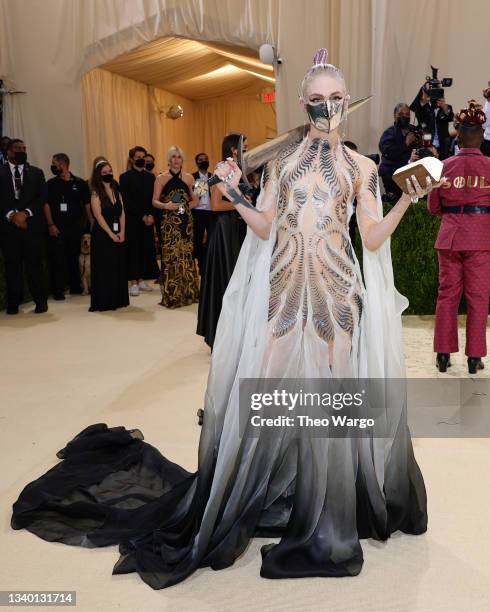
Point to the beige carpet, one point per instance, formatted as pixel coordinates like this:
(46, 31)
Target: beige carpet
(145, 367)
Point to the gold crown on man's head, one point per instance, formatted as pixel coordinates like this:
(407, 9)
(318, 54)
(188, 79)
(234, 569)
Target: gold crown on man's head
(473, 116)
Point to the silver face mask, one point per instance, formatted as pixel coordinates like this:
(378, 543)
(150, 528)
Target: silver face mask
(328, 114)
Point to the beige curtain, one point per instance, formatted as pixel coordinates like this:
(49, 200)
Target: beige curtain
(115, 117)
(119, 113)
(53, 42)
(243, 113)
(385, 48)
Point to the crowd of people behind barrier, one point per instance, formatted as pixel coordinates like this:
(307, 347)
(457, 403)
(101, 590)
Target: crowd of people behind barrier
(117, 238)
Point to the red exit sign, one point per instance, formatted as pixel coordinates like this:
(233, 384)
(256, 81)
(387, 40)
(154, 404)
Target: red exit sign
(268, 97)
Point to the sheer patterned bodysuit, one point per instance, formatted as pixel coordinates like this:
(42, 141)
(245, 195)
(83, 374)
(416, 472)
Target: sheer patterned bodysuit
(315, 281)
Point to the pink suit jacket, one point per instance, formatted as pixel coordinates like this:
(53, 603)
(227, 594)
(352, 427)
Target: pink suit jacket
(469, 175)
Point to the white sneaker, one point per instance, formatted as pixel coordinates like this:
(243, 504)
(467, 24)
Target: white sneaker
(144, 286)
(134, 291)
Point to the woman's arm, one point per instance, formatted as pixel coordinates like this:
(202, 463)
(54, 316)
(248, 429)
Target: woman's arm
(157, 191)
(374, 230)
(259, 220)
(97, 212)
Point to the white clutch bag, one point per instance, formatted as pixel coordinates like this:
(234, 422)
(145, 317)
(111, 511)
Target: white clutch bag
(421, 169)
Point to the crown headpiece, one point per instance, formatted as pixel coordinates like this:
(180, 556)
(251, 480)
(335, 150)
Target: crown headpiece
(473, 116)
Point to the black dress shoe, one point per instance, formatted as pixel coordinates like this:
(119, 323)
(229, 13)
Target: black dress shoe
(59, 297)
(443, 362)
(474, 364)
(41, 307)
(200, 416)
(13, 310)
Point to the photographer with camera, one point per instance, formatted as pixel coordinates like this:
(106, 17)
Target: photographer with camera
(398, 147)
(433, 113)
(485, 147)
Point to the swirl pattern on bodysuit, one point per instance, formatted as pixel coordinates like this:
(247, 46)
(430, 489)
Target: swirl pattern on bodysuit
(313, 273)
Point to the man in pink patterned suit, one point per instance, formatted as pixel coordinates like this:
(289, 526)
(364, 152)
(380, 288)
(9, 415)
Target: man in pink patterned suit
(463, 243)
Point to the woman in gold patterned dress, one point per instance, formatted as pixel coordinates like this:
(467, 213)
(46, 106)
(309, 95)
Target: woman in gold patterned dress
(173, 195)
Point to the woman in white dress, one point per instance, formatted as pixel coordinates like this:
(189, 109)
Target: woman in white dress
(296, 306)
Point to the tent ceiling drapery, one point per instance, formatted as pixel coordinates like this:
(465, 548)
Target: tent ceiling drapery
(194, 69)
(125, 101)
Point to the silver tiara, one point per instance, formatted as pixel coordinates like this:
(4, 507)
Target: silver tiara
(101, 161)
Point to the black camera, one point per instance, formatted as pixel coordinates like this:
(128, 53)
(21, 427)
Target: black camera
(435, 87)
(423, 143)
(425, 146)
(418, 133)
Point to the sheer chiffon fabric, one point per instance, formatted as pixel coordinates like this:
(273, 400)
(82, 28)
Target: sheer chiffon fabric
(318, 495)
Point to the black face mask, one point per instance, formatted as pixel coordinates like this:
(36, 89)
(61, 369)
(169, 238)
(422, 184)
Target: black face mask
(20, 157)
(203, 166)
(55, 170)
(140, 163)
(149, 166)
(108, 178)
(403, 122)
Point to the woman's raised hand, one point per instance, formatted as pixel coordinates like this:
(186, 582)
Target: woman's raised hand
(229, 172)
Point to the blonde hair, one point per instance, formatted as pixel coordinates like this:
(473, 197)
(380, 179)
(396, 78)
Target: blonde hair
(320, 66)
(175, 150)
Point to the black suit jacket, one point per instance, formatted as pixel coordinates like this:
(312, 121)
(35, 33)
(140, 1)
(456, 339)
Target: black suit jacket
(33, 195)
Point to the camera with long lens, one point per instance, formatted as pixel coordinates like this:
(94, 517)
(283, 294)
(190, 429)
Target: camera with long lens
(435, 87)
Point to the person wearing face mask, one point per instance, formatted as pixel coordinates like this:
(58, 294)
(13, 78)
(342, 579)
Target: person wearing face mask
(222, 249)
(396, 146)
(109, 285)
(66, 210)
(22, 197)
(150, 163)
(297, 307)
(137, 191)
(179, 281)
(202, 215)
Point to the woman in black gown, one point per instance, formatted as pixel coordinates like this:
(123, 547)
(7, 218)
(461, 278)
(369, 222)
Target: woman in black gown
(222, 251)
(109, 287)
